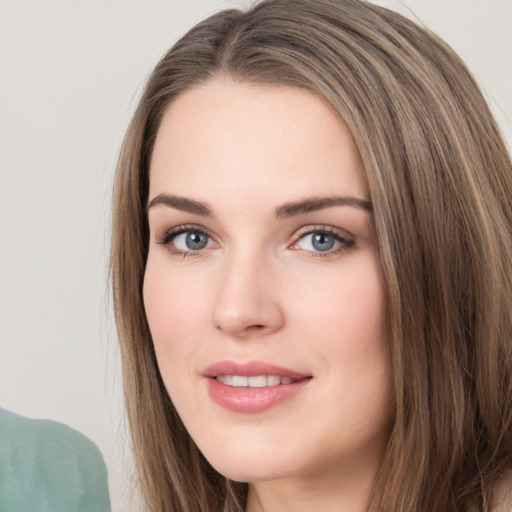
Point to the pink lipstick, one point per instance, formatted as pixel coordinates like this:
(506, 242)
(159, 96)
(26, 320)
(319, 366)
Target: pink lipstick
(252, 387)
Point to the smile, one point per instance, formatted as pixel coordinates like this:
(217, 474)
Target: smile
(254, 386)
(260, 381)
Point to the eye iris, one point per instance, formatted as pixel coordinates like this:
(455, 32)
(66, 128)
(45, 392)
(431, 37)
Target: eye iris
(196, 241)
(322, 242)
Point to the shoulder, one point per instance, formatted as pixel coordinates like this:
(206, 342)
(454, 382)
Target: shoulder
(48, 462)
(48, 441)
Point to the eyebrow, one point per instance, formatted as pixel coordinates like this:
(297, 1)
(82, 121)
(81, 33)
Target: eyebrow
(286, 210)
(313, 204)
(181, 203)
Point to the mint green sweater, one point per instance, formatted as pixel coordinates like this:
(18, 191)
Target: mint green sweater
(46, 466)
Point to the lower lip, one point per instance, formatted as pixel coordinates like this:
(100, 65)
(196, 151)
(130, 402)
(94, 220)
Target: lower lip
(252, 400)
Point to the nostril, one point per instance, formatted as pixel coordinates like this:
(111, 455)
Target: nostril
(256, 327)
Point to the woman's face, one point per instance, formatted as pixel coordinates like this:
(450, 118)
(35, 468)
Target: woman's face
(262, 287)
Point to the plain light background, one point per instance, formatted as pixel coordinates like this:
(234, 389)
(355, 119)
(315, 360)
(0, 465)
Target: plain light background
(70, 75)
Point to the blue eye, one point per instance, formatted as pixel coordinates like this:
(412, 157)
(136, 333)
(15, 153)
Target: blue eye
(191, 241)
(186, 240)
(320, 241)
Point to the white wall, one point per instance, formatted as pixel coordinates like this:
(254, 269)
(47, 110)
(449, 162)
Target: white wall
(70, 72)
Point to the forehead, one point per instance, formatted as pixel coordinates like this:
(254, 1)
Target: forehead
(250, 139)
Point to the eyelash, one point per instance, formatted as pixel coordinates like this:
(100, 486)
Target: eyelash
(344, 243)
(171, 234)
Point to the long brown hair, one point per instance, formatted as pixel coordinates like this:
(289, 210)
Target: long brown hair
(440, 182)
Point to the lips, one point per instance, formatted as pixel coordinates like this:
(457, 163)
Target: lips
(257, 381)
(252, 387)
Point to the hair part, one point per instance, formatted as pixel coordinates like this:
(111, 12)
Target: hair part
(440, 182)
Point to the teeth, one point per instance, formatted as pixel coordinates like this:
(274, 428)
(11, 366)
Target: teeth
(273, 380)
(260, 381)
(239, 381)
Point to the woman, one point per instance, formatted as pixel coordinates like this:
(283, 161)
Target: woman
(312, 269)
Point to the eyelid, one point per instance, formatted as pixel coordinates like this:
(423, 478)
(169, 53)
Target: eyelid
(323, 228)
(168, 235)
(345, 239)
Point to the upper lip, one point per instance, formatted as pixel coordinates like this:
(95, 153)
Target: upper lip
(250, 369)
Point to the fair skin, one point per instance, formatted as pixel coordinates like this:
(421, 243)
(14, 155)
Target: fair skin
(234, 273)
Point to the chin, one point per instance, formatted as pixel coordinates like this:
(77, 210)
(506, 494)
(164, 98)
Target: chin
(242, 472)
(248, 465)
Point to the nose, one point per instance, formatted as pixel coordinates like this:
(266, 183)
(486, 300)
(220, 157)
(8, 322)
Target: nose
(247, 301)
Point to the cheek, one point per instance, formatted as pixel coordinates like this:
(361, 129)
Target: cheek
(344, 320)
(175, 311)
(348, 305)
